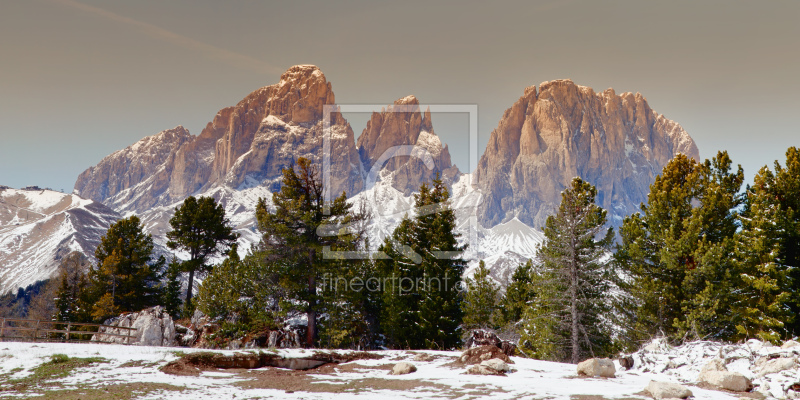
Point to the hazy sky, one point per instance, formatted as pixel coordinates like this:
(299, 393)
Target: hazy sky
(81, 79)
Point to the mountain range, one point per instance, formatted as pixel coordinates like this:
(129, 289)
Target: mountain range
(551, 134)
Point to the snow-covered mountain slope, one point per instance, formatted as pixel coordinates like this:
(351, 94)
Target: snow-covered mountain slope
(39, 227)
(502, 247)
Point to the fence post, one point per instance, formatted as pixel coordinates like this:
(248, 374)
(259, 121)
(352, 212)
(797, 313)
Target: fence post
(3, 329)
(36, 331)
(69, 325)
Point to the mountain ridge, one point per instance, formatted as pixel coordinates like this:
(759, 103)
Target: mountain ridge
(550, 134)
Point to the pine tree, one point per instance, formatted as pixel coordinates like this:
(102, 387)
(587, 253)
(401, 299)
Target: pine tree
(786, 195)
(422, 306)
(679, 250)
(763, 300)
(517, 296)
(767, 253)
(171, 294)
(351, 303)
(199, 227)
(70, 306)
(297, 235)
(125, 278)
(571, 284)
(480, 300)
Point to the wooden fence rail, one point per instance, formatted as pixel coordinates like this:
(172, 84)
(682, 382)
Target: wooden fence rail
(58, 331)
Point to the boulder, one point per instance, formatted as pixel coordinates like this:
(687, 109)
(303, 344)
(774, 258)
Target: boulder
(777, 365)
(602, 367)
(716, 374)
(626, 362)
(424, 357)
(727, 380)
(154, 327)
(667, 390)
(479, 354)
(496, 364)
(482, 337)
(481, 369)
(403, 368)
(789, 344)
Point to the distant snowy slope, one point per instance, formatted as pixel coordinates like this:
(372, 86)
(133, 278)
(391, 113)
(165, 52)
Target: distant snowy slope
(39, 227)
(502, 247)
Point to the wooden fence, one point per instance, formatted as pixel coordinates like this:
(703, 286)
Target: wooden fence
(17, 329)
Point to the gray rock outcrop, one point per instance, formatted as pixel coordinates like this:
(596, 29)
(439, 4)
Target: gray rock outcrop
(154, 327)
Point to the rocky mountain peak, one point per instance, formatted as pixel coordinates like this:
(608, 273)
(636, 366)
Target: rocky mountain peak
(402, 124)
(563, 130)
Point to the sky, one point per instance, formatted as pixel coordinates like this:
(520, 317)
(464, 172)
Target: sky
(80, 79)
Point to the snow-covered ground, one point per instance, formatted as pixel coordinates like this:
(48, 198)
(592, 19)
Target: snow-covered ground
(138, 367)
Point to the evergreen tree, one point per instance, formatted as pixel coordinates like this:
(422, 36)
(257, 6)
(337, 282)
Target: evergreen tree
(480, 300)
(125, 278)
(70, 301)
(241, 291)
(199, 227)
(766, 253)
(352, 304)
(679, 251)
(786, 197)
(422, 306)
(518, 294)
(297, 235)
(171, 295)
(572, 283)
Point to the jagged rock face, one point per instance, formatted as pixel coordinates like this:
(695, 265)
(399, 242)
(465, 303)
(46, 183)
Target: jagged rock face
(133, 165)
(243, 146)
(616, 142)
(405, 126)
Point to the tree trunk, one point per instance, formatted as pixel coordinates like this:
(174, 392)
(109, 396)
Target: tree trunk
(574, 308)
(189, 289)
(311, 334)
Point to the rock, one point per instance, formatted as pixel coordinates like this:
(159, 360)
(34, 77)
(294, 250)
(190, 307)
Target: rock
(483, 370)
(727, 380)
(789, 344)
(479, 354)
(482, 337)
(198, 318)
(777, 365)
(403, 368)
(667, 390)
(626, 362)
(234, 345)
(563, 130)
(716, 364)
(597, 367)
(154, 327)
(496, 364)
(424, 357)
(244, 145)
(716, 374)
(402, 124)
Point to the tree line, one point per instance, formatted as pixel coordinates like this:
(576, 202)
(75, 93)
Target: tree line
(703, 258)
